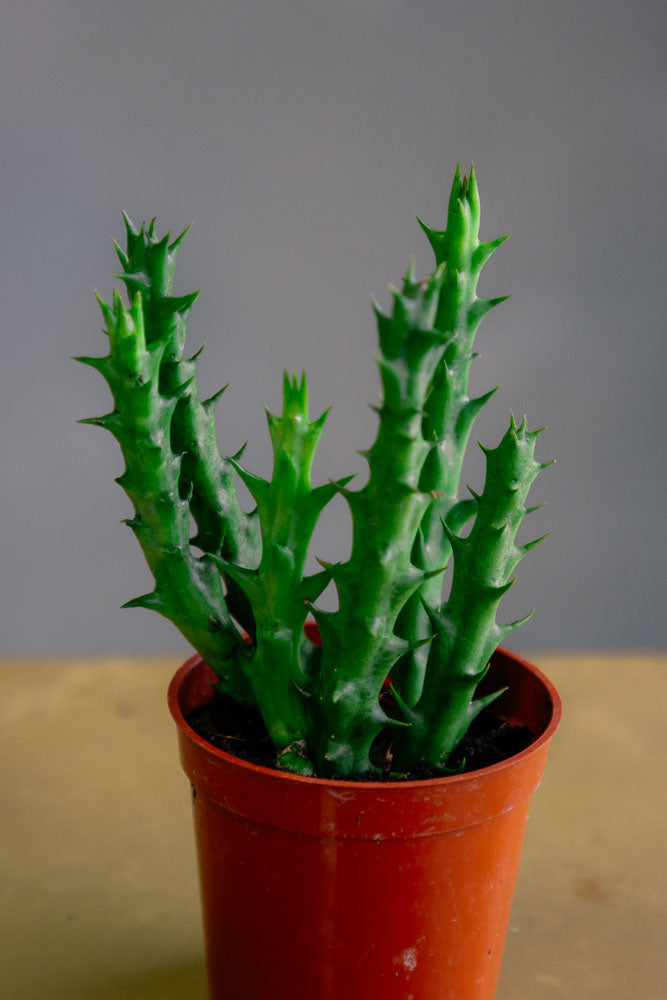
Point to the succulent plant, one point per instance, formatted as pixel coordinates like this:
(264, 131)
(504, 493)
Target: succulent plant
(238, 590)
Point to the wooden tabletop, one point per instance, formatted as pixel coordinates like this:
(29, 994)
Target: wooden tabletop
(98, 888)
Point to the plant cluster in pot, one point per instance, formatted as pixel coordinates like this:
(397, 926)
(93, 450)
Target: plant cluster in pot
(359, 830)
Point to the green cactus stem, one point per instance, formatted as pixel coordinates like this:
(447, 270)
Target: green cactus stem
(278, 591)
(466, 632)
(245, 572)
(188, 589)
(223, 528)
(449, 413)
(359, 646)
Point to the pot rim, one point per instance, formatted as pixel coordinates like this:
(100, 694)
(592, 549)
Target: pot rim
(555, 707)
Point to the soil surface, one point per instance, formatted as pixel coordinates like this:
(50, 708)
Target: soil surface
(232, 728)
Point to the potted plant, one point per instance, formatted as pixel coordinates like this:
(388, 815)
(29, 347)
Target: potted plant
(353, 838)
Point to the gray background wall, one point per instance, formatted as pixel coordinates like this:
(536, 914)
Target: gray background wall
(303, 138)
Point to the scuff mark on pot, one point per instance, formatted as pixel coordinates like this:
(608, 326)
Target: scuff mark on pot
(408, 959)
(341, 796)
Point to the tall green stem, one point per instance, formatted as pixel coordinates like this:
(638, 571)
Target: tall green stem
(449, 413)
(188, 588)
(359, 644)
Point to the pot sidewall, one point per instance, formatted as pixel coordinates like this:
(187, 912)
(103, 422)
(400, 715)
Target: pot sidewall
(321, 888)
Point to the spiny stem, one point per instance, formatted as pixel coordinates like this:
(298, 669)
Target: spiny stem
(449, 413)
(278, 591)
(466, 632)
(222, 527)
(359, 644)
(188, 589)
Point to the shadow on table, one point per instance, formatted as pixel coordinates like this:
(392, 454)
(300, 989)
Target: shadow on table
(184, 980)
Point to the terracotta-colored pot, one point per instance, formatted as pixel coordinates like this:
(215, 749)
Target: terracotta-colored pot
(331, 890)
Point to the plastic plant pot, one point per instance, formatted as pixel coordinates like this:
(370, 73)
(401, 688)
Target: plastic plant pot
(316, 889)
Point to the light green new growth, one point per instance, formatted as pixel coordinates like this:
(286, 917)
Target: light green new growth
(246, 571)
(278, 592)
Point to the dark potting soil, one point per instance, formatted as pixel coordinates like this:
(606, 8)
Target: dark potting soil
(242, 733)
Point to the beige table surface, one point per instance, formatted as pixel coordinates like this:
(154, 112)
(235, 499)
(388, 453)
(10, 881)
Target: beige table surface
(98, 888)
